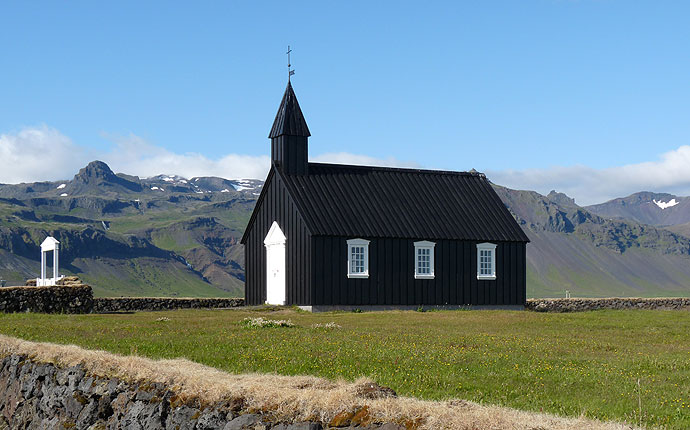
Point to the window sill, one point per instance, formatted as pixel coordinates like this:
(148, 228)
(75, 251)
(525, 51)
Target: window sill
(358, 275)
(423, 276)
(486, 277)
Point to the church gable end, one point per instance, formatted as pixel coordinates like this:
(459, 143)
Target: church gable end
(276, 205)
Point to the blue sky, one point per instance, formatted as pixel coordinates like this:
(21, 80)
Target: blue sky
(583, 96)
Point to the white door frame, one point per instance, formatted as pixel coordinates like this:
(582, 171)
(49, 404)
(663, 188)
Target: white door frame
(275, 265)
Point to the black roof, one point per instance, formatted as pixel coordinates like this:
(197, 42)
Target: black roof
(289, 119)
(369, 202)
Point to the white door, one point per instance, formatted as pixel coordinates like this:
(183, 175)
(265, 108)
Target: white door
(275, 265)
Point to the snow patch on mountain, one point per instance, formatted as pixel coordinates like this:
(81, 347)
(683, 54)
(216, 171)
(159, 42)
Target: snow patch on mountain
(61, 186)
(664, 205)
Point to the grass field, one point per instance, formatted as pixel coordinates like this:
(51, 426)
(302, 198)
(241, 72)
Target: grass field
(629, 366)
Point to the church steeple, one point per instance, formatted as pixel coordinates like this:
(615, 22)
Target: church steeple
(289, 135)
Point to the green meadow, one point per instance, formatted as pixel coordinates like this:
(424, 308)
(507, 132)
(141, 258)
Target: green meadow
(631, 366)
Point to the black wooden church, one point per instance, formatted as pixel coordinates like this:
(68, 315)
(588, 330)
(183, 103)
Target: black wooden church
(330, 236)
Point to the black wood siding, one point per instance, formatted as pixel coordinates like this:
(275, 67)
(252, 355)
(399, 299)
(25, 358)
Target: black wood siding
(391, 274)
(277, 205)
(290, 152)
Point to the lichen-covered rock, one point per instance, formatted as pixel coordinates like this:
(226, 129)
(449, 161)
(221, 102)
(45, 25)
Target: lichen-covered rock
(243, 422)
(299, 426)
(211, 420)
(182, 418)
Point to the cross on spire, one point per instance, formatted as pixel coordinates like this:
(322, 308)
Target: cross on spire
(290, 71)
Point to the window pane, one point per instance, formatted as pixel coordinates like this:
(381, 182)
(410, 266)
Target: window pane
(357, 259)
(485, 266)
(423, 261)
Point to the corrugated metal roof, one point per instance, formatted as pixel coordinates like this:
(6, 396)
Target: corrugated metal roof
(362, 201)
(289, 119)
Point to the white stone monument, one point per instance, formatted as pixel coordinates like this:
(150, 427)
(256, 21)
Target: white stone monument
(50, 244)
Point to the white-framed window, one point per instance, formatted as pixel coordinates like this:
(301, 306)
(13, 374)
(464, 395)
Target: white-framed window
(357, 258)
(486, 261)
(424, 259)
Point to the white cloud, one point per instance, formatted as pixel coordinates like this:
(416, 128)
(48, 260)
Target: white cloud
(670, 173)
(39, 154)
(134, 156)
(43, 153)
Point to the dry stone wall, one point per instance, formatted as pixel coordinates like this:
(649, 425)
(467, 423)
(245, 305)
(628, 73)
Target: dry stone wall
(36, 395)
(76, 299)
(73, 297)
(130, 304)
(579, 305)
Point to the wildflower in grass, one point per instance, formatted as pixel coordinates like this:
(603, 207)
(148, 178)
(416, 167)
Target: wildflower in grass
(262, 322)
(163, 319)
(331, 325)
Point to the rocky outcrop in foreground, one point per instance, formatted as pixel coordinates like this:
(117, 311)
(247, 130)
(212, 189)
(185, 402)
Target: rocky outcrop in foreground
(580, 305)
(42, 396)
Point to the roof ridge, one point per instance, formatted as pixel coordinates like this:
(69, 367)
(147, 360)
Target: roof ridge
(400, 169)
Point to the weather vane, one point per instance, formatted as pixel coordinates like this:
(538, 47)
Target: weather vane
(290, 71)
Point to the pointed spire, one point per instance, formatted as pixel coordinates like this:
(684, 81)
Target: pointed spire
(289, 119)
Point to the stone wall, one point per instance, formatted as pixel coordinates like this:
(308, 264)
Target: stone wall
(579, 305)
(73, 297)
(130, 304)
(37, 395)
(77, 299)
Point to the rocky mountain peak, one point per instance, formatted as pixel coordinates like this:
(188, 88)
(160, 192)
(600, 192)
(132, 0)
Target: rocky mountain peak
(99, 174)
(647, 207)
(561, 199)
(95, 170)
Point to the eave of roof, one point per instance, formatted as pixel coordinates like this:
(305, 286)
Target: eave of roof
(257, 206)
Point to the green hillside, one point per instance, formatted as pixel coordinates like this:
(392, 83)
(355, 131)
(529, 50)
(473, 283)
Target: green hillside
(128, 236)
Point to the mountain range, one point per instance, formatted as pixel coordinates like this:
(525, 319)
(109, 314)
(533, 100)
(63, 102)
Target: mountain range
(659, 209)
(575, 249)
(174, 236)
(124, 235)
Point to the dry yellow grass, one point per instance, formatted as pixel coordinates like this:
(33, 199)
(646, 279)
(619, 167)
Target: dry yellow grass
(293, 398)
